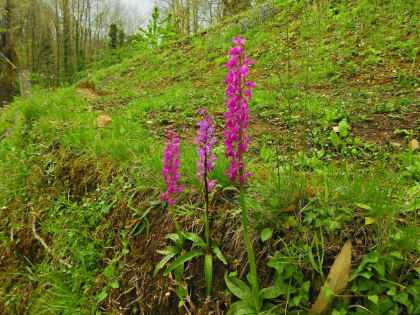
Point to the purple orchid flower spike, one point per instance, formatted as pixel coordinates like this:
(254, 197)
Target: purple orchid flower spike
(238, 94)
(205, 143)
(171, 164)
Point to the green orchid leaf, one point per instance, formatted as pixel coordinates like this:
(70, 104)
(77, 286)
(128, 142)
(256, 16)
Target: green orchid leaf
(179, 271)
(271, 292)
(241, 308)
(238, 287)
(252, 280)
(165, 260)
(258, 300)
(197, 240)
(216, 250)
(169, 250)
(208, 272)
(172, 236)
(182, 259)
(177, 238)
(268, 307)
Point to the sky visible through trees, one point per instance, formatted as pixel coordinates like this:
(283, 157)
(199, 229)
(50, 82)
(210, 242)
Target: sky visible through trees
(143, 6)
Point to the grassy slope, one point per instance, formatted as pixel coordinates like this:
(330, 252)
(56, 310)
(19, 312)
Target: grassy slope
(86, 186)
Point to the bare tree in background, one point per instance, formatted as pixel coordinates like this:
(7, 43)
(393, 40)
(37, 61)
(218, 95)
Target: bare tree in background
(195, 13)
(57, 38)
(232, 7)
(8, 76)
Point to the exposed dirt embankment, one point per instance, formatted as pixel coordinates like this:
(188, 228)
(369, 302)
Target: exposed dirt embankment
(7, 93)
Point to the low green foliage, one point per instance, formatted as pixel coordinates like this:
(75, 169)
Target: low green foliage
(159, 31)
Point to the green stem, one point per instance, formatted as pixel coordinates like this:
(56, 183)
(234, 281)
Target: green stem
(207, 226)
(178, 229)
(251, 258)
(206, 205)
(278, 175)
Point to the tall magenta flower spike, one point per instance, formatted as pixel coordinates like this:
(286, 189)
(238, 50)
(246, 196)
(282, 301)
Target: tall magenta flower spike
(205, 143)
(171, 164)
(239, 94)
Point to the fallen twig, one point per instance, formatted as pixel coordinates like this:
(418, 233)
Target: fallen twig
(41, 240)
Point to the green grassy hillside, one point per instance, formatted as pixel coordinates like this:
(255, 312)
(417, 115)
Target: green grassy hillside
(91, 194)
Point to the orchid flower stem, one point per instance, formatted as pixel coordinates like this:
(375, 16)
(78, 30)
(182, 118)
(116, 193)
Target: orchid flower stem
(178, 229)
(251, 258)
(206, 206)
(207, 226)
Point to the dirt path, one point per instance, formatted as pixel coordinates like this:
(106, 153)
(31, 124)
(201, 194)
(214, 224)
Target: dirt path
(88, 92)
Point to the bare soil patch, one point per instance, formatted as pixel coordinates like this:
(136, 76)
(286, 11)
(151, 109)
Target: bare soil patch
(89, 92)
(381, 128)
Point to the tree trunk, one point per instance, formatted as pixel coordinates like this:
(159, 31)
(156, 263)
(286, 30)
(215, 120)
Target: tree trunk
(66, 40)
(58, 42)
(77, 39)
(8, 78)
(232, 7)
(187, 18)
(195, 16)
(33, 16)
